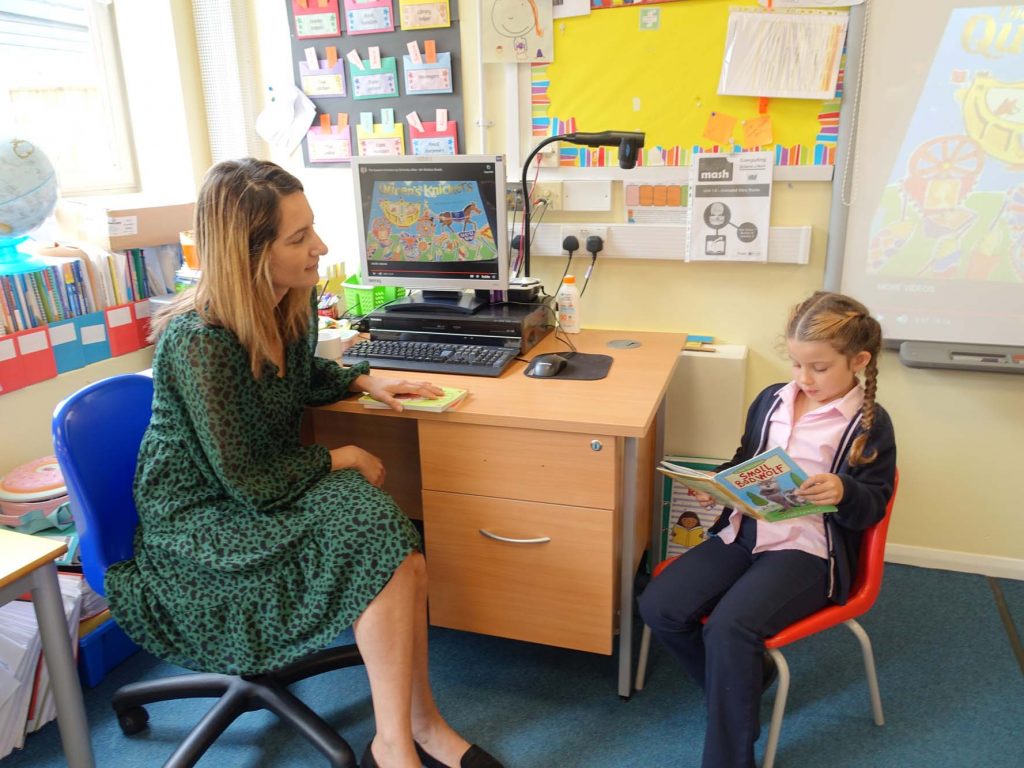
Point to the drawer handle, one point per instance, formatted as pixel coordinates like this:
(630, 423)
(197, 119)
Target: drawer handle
(507, 540)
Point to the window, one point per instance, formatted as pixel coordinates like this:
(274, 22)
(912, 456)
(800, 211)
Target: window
(61, 87)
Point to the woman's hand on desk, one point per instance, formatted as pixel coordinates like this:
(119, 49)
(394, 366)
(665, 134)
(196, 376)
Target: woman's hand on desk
(384, 390)
(354, 457)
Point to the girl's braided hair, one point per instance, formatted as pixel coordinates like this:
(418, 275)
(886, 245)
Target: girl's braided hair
(846, 325)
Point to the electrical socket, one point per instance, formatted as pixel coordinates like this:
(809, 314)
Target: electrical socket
(586, 230)
(549, 190)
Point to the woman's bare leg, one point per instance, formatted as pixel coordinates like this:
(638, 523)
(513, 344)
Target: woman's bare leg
(386, 636)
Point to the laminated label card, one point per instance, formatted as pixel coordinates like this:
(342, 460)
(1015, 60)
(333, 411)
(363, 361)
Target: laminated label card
(428, 77)
(316, 18)
(328, 143)
(424, 14)
(431, 140)
(325, 77)
(363, 17)
(380, 139)
(375, 83)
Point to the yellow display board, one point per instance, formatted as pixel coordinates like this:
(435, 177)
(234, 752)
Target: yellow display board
(655, 68)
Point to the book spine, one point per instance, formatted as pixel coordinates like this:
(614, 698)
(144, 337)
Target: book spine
(33, 312)
(11, 292)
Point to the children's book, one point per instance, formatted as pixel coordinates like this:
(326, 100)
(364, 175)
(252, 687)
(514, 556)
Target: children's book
(763, 487)
(451, 396)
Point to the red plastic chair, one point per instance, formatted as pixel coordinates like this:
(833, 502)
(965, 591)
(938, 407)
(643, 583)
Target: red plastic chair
(866, 586)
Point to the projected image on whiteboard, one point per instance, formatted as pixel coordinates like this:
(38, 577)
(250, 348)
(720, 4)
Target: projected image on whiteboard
(952, 213)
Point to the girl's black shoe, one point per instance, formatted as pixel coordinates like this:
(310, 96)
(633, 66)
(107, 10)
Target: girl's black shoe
(474, 757)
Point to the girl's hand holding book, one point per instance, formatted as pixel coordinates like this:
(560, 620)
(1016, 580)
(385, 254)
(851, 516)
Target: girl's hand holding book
(822, 489)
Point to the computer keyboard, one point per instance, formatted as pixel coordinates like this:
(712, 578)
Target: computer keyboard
(432, 357)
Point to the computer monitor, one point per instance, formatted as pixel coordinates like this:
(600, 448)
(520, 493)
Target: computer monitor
(435, 224)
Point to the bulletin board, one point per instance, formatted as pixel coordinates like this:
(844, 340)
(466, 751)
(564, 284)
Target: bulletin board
(321, 34)
(655, 68)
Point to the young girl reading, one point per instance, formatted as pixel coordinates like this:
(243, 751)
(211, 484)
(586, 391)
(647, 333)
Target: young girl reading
(754, 578)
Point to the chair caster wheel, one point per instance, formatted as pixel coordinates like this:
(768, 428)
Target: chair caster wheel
(133, 720)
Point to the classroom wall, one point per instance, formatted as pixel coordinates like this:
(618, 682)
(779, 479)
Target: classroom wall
(950, 425)
(959, 434)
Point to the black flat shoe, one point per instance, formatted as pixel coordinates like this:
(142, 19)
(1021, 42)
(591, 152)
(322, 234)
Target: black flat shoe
(474, 757)
(368, 760)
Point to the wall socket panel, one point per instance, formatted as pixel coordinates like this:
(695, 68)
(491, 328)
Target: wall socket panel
(583, 231)
(550, 191)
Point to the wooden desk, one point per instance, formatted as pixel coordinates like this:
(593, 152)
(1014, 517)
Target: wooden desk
(26, 564)
(537, 495)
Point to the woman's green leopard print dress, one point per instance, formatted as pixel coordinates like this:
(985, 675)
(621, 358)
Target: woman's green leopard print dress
(250, 551)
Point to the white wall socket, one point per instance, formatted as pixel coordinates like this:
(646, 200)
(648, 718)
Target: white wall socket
(586, 230)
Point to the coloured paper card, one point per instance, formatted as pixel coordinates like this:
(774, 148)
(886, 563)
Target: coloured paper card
(379, 83)
(425, 14)
(730, 202)
(656, 203)
(379, 139)
(329, 146)
(316, 18)
(435, 77)
(324, 80)
(364, 17)
(432, 140)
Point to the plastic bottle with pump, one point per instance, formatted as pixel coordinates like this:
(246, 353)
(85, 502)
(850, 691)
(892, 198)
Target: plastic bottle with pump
(568, 299)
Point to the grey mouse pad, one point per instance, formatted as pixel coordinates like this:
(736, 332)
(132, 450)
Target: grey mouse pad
(580, 366)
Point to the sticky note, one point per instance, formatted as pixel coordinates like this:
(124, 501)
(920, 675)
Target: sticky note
(757, 131)
(719, 127)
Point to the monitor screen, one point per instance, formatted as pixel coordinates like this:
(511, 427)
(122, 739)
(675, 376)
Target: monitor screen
(432, 222)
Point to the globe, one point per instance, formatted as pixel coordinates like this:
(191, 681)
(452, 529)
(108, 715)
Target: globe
(28, 194)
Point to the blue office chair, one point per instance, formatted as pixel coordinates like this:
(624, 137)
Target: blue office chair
(96, 433)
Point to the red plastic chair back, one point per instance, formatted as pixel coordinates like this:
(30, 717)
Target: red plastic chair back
(866, 586)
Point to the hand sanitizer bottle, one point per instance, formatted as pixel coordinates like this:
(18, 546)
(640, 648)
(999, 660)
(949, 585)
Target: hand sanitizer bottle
(568, 299)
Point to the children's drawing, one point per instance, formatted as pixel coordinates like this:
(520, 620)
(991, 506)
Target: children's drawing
(430, 221)
(517, 31)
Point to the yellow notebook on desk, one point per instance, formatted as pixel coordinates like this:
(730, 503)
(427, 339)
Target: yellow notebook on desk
(451, 396)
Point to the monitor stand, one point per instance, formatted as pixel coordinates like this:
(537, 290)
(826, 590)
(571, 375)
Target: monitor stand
(460, 302)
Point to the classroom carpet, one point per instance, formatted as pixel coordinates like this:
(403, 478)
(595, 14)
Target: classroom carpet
(952, 688)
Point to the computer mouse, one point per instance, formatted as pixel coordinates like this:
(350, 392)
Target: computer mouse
(545, 366)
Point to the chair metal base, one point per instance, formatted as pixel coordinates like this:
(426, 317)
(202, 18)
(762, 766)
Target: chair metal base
(782, 692)
(238, 695)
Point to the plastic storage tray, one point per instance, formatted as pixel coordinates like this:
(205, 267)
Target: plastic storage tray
(101, 650)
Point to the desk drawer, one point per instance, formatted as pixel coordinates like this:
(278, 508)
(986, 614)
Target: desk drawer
(527, 464)
(557, 593)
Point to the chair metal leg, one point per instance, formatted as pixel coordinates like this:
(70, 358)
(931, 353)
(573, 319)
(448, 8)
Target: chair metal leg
(869, 668)
(779, 708)
(641, 664)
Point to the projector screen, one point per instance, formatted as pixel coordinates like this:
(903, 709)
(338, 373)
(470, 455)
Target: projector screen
(935, 235)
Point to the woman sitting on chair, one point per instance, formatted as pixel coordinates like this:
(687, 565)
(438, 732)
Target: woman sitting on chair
(254, 550)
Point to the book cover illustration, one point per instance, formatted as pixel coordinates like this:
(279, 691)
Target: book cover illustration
(768, 483)
(451, 396)
(763, 487)
(685, 522)
(433, 221)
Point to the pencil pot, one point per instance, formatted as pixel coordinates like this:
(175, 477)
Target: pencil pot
(362, 299)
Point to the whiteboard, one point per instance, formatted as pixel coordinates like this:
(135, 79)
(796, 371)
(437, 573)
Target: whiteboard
(935, 192)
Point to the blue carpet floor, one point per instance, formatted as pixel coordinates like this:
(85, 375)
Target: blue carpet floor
(951, 686)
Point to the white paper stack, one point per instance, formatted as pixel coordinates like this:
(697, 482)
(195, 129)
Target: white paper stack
(26, 695)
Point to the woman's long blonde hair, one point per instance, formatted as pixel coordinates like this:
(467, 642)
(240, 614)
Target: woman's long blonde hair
(849, 328)
(237, 217)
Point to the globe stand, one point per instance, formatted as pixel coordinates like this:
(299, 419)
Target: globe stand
(15, 262)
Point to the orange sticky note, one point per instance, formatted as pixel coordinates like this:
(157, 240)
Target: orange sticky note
(430, 51)
(325, 123)
(342, 120)
(719, 127)
(332, 56)
(757, 131)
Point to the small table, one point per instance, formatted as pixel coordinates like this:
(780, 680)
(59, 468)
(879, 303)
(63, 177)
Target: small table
(27, 565)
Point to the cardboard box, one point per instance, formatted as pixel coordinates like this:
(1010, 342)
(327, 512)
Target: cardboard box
(129, 221)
